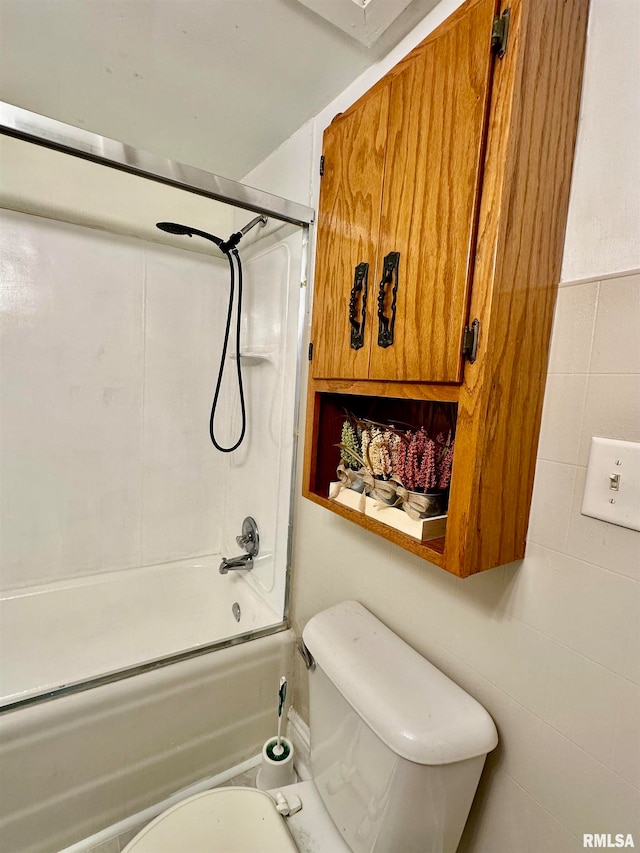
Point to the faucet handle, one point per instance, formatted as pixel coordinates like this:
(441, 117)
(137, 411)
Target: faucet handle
(249, 539)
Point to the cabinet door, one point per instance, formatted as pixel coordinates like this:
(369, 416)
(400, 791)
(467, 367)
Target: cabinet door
(437, 125)
(348, 230)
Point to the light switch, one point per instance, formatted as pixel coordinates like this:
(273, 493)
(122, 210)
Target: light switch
(612, 489)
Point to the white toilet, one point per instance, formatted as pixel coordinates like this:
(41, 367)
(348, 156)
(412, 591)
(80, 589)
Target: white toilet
(397, 750)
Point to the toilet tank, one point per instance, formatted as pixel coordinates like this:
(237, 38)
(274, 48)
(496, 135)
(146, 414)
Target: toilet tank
(397, 748)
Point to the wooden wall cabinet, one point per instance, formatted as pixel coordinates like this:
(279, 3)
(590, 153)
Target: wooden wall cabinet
(400, 192)
(443, 201)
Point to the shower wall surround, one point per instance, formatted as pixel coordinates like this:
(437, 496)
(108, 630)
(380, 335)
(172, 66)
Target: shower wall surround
(105, 402)
(109, 353)
(259, 477)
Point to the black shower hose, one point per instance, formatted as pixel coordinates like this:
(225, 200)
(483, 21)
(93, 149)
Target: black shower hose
(223, 356)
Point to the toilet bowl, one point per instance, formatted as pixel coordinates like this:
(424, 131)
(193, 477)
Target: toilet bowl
(235, 820)
(242, 820)
(397, 750)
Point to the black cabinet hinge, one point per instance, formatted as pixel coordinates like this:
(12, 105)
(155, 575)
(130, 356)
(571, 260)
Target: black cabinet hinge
(470, 341)
(500, 33)
(311, 351)
(322, 166)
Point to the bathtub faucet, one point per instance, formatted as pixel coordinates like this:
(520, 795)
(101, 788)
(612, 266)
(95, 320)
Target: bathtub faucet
(250, 541)
(228, 564)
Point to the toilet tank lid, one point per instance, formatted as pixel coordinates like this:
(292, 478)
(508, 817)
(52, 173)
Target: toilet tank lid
(413, 707)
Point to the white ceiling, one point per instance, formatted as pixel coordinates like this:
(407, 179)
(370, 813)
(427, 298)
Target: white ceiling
(217, 84)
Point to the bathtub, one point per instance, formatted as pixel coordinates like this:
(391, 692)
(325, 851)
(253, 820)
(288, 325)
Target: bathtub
(93, 756)
(67, 632)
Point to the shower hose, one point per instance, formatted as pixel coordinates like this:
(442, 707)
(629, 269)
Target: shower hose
(230, 253)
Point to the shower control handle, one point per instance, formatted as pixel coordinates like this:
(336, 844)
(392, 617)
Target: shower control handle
(250, 541)
(249, 538)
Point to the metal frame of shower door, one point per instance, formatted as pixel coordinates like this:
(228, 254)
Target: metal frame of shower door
(303, 307)
(49, 133)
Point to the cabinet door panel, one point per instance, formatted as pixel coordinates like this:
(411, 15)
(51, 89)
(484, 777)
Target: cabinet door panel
(348, 230)
(437, 125)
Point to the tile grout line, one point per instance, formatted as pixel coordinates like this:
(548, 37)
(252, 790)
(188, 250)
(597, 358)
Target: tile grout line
(598, 278)
(581, 559)
(540, 805)
(542, 719)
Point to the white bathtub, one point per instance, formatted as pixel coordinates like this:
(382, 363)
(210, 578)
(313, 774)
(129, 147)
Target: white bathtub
(70, 631)
(77, 764)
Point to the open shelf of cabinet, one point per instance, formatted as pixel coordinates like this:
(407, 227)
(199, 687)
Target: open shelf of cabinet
(329, 401)
(515, 203)
(433, 551)
(328, 413)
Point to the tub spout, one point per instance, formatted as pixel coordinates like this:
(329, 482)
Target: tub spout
(228, 564)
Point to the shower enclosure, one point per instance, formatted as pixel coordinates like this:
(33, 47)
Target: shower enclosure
(116, 510)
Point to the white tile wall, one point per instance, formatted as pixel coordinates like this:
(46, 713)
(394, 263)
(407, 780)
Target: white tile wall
(573, 325)
(550, 645)
(553, 490)
(582, 701)
(625, 760)
(607, 545)
(562, 417)
(618, 319)
(612, 407)
(505, 817)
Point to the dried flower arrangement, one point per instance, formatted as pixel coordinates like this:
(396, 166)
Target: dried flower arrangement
(416, 462)
(380, 451)
(403, 468)
(350, 450)
(424, 464)
(444, 443)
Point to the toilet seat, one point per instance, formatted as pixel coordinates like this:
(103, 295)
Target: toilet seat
(224, 820)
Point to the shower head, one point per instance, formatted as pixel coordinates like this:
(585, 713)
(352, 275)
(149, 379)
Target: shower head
(187, 231)
(226, 245)
(174, 228)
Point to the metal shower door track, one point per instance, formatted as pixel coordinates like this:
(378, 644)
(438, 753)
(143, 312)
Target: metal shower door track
(50, 133)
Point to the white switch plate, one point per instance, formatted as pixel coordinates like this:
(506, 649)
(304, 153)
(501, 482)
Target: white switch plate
(613, 461)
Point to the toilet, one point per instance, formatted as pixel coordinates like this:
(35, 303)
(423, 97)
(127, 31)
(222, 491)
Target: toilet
(397, 750)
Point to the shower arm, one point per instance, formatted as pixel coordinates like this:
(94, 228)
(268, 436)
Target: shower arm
(232, 242)
(258, 220)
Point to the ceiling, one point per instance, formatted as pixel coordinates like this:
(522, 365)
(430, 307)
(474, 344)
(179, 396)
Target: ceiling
(217, 84)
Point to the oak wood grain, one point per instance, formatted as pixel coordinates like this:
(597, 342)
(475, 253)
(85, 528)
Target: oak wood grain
(431, 550)
(532, 127)
(437, 123)
(348, 226)
(409, 391)
(534, 115)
